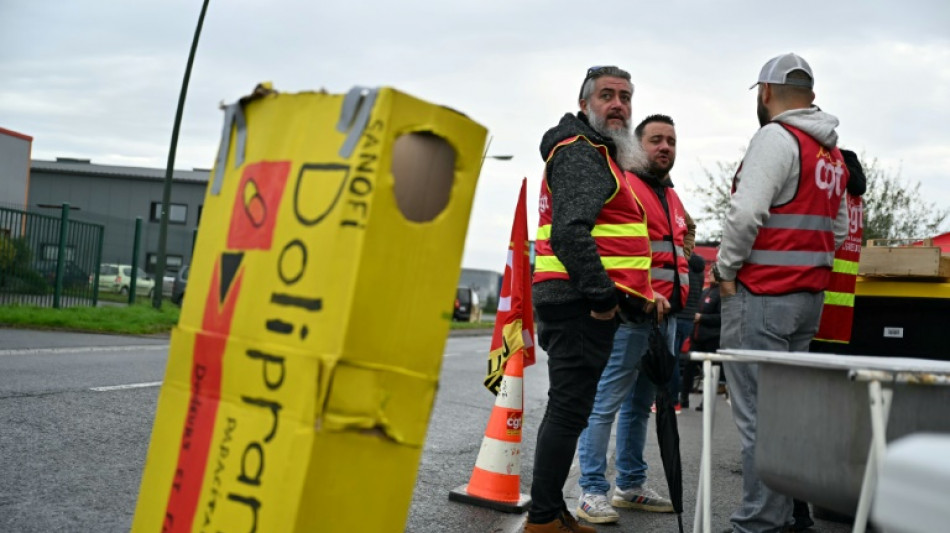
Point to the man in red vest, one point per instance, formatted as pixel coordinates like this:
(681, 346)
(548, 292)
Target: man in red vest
(785, 221)
(622, 387)
(837, 315)
(591, 254)
(672, 231)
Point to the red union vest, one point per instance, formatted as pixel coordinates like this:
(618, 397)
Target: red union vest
(619, 232)
(667, 232)
(837, 316)
(794, 250)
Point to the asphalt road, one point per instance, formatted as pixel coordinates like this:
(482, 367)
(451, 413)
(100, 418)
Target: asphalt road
(464, 406)
(72, 446)
(71, 457)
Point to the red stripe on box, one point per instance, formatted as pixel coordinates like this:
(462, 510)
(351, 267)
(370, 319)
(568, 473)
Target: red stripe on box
(210, 345)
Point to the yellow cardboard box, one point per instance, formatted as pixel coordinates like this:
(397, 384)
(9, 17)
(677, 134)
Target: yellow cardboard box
(305, 364)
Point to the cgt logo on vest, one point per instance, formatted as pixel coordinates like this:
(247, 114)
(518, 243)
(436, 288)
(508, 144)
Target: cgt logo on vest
(828, 173)
(544, 203)
(855, 216)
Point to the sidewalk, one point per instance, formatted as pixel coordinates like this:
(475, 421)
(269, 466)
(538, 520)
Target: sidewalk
(726, 477)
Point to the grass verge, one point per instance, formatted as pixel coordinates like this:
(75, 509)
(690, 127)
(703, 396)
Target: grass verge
(139, 319)
(472, 325)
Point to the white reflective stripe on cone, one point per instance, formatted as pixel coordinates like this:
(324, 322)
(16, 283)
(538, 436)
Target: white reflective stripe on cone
(499, 457)
(509, 393)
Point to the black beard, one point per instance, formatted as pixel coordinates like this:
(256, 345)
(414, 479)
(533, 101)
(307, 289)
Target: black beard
(657, 171)
(763, 113)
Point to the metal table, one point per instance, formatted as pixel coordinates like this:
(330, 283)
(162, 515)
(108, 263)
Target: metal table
(881, 374)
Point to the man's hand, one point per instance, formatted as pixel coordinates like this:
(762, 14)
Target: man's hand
(659, 304)
(606, 315)
(727, 288)
(696, 318)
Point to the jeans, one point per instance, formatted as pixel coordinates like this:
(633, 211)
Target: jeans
(622, 387)
(784, 323)
(578, 349)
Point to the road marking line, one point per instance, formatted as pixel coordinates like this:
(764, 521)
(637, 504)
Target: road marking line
(127, 386)
(83, 349)
(452, 354)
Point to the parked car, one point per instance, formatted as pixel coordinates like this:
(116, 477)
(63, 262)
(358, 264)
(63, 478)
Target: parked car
(466, 305)
(117, 278)
(168, 283)
(178, 286)
(73, 274)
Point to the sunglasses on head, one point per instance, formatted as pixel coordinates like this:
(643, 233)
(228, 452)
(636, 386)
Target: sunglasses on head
(592, 72)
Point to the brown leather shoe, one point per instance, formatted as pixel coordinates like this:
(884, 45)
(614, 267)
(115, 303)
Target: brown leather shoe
(572, 523)
(554, 526)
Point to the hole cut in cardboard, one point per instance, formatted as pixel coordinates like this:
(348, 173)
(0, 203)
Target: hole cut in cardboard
(423, 169)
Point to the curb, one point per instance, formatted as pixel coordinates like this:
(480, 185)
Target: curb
(486, 332)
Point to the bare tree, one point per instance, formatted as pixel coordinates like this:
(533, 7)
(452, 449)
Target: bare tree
(894, 207)
(714, 195)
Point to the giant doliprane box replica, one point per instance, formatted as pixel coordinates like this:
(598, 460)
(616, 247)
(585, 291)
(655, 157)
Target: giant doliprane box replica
(304, 367)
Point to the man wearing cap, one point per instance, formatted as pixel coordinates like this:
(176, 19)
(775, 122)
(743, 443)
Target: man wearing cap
(784, 222)
(591, 253)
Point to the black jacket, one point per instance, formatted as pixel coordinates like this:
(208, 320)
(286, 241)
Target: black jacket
(857, 182)
(580, 182)
(706, 336)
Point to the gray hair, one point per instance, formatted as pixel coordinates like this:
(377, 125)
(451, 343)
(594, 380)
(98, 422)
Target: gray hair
(597, 72)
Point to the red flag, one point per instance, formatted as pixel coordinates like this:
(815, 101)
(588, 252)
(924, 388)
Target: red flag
(514, 321)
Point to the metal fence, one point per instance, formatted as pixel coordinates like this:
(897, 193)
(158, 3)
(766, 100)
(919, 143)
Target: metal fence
(47, 260)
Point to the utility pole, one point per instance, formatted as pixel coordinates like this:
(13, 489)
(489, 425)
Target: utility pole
(170, 169)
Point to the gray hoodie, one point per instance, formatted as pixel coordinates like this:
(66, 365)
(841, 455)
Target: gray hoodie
(769, 176)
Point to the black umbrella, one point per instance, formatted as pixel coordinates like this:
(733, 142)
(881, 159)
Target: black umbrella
(668, 438)
(658, 364)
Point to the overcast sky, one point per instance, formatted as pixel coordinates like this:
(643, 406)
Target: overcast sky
(99, 79)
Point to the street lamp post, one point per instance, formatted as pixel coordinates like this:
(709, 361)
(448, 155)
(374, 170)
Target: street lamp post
(169, 170)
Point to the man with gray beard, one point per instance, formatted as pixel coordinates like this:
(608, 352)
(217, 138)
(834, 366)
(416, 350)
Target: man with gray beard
(592, 260)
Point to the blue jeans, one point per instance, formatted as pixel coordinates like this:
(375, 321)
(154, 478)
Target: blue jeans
(784, 323)
(620, 384)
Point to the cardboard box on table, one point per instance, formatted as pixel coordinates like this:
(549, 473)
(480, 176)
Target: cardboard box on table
(304, 367)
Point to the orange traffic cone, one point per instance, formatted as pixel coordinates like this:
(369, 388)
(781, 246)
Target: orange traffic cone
(496, 478)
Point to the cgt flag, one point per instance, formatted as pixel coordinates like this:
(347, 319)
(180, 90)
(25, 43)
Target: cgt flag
(514, 321)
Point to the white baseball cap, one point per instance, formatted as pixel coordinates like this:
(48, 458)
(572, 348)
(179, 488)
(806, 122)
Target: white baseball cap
(776, 71)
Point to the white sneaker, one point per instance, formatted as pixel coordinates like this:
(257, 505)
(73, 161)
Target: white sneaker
(643, 498)
(596, 509)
